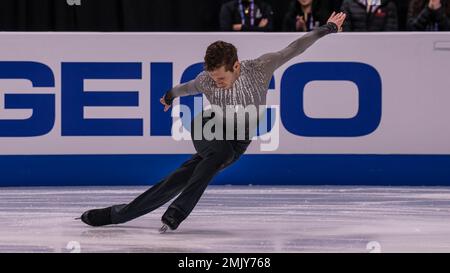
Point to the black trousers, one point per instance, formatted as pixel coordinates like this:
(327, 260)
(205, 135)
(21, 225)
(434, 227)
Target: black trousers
(189, 182)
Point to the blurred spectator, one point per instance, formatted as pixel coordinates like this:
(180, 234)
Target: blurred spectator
(304, 15)
(429, 15)
(370, 15)
(335, 5)
(402, 12)
(246, 15)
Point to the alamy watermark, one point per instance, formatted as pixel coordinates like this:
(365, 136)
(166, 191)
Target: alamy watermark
(232, 123)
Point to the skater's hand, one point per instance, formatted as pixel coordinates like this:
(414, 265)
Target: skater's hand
(338, 19)
(163, 102)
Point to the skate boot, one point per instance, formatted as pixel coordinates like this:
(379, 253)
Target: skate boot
(171, 220)
(97, 217)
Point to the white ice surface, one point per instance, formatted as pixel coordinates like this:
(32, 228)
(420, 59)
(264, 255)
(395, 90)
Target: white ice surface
(234, 219)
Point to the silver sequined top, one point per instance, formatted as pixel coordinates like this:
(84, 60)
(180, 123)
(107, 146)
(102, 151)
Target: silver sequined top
(253, 82)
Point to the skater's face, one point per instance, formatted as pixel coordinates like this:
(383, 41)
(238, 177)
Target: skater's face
(225, 79)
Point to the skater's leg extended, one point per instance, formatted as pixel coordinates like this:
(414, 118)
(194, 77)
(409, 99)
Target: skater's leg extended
(215, 155)
(148, 201)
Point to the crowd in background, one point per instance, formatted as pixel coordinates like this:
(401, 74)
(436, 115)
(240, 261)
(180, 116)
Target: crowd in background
(225, 15)
(362, 15)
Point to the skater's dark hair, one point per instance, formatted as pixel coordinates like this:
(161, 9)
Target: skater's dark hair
(220, 54)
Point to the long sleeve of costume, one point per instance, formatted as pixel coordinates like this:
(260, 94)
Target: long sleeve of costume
(184, 89)
(271, 61)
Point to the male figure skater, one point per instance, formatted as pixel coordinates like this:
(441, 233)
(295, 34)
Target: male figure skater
(225, 82)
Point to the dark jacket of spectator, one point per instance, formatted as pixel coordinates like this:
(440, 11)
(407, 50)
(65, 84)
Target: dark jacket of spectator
(382, 17)
(319, 15)
(335, 4)
(240, 12)
(422, 18)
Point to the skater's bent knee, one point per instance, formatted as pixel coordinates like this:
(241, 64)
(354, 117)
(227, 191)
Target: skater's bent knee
(225, 156)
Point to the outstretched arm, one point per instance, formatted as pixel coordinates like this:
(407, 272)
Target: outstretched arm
(272, 61)
(181, 90)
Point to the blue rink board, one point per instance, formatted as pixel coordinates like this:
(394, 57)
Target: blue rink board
(273, 169)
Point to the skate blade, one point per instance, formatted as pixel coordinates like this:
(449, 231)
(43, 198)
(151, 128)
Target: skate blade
(163, 229)
(78, 218)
